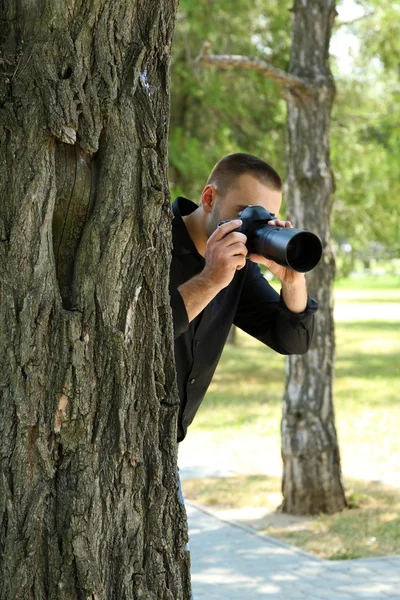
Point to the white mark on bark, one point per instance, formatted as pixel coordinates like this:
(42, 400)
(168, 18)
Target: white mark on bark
(143, 79)
(286, 450)
(61, 412)
(307, 163)
(130, 315)
(68, 135)
(326, 404)
(296, 381)
(313, 369)
(324, 170)
(298, 208)
(301, 438)
(85, 339)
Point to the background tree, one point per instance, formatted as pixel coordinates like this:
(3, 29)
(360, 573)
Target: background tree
(365, 137)
(88, 488)
(312, 481)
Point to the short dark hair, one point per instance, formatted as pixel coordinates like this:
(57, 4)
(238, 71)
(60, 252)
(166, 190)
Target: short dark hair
(229, 168)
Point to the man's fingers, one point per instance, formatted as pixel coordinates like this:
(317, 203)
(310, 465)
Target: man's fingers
(280, 223)
(236, 249)
(234, 237)
(241, 264)
(224, 229)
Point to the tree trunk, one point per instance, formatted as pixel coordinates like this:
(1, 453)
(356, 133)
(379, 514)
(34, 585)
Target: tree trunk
(89, 507)
(312, 480)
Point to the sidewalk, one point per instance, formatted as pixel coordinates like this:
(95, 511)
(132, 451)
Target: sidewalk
(233, 562)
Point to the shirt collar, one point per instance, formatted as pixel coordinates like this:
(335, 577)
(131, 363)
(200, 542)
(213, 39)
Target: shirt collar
(183, 243)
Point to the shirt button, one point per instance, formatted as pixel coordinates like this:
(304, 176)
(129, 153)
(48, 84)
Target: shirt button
(192, 381)
(196, 343)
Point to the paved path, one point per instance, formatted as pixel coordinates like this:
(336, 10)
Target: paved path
(236, 563)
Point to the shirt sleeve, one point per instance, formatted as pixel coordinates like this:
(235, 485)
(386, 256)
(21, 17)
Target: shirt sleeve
(179, 314)
(263, 314)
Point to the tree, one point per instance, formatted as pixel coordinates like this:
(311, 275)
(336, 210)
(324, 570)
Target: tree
(365, 141)
(89, 507)
(312, 481)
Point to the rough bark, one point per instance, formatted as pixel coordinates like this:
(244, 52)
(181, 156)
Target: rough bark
(89, 507)
(312, 481)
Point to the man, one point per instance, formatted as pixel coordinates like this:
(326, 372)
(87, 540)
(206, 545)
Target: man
(213, 286)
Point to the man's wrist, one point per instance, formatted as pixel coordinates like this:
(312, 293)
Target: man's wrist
(208, 284)
(295, 295)
(197, 293)
(298, 284)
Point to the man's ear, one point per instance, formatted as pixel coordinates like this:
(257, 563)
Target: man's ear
(208, 197)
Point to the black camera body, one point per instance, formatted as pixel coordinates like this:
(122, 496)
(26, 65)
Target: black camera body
(295, 249)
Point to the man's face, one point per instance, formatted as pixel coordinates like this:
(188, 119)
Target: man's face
(247, 190)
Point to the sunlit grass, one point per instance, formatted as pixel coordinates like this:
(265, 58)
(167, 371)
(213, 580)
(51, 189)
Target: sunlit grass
(369, 282)
(370, 527)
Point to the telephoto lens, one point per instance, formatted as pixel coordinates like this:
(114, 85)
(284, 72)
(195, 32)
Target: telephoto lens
(296, 249)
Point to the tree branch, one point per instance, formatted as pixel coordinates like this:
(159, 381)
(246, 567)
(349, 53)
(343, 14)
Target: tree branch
(253, 64)
(355, 20)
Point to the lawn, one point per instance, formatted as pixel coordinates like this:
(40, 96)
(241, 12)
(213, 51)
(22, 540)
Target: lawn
(239, 424)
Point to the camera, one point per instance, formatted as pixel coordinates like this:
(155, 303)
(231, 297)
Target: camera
(295, 249)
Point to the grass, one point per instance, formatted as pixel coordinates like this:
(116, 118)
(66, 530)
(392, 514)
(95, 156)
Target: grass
(369, 282)
(240, 420)
(369, 527)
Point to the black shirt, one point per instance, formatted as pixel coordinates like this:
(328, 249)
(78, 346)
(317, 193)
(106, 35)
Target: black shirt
(248, 302)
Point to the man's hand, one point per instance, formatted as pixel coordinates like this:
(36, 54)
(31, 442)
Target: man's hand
(293, 283)
(225, 253)
(285, 275)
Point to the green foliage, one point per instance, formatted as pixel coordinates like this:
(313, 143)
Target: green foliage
(365, 153)
(365, 135)
(215, 112)
(380, 32)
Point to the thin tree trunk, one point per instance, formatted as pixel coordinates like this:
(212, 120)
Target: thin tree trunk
(89, 508)
(312, 480)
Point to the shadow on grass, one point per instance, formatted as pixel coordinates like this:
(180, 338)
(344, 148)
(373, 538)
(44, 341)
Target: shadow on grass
(222, 411)
(369, 366)
(251, 375)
